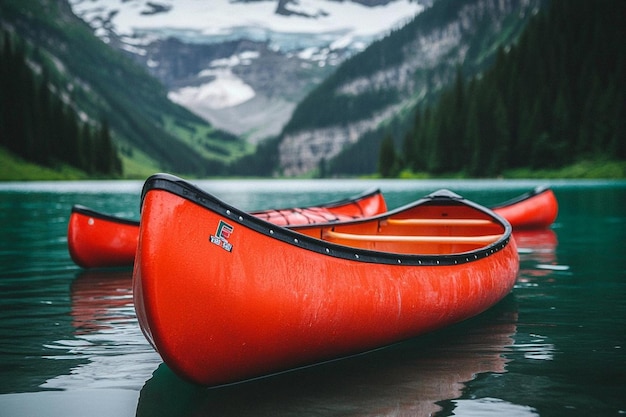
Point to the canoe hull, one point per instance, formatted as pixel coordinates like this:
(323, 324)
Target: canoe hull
(97, 240)
(225, 310)
(537, 209)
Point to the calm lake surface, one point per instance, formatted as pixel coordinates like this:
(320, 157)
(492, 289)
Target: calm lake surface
(70, 344)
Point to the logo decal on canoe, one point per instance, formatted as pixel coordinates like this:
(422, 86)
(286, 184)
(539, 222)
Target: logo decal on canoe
(224, 231)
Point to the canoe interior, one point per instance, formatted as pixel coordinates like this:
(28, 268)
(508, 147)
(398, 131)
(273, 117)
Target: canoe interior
(427, 229)
(367, 204)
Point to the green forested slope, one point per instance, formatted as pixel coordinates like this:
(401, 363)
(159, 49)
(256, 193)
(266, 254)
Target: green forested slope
(36, 125)
(556, 98)
(325, 106)
(100, 83)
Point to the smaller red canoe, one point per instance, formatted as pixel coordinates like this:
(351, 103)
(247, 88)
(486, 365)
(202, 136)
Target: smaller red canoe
(97, 240)
(536, 209)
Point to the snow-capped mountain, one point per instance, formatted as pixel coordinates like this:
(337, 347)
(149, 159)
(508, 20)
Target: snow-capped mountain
(242, 64)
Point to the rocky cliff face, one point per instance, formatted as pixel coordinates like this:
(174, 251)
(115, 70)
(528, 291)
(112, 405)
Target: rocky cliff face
(242, 86)
(435, 50)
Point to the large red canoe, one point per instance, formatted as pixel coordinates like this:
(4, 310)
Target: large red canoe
(98, 240)
(224, 296)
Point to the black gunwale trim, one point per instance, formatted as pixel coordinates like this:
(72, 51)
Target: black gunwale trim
(526, 196)
(77, 208)
(186, 190)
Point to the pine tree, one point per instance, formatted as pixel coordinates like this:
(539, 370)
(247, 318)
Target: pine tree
(409, 151)
(422, 121)
(387, 158)
(472, 139)
(502, 139)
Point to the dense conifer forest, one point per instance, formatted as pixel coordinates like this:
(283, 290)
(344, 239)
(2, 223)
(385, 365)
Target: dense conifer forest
(38, 126)
(555, 98)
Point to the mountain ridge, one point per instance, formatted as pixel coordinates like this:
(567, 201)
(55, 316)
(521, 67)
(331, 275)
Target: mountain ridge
(412, 63)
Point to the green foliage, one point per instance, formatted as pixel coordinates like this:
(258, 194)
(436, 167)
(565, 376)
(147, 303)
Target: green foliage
(388, 161)
(556, 97)
(38, 126)
(262, 162)
(585, 169)
(340, 110)
(14, 168)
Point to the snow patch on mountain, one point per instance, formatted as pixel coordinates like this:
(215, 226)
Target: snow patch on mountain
(223, 90)
(244, 58)
(226, 90)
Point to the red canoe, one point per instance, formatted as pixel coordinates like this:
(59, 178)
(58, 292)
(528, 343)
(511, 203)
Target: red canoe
(224, 296)
(97, 240)
(537, 209)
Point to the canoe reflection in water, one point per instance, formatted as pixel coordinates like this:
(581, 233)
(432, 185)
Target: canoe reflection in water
(407, 378)
(101, 300)
(106, 339)
(537, 252)
(539, 269)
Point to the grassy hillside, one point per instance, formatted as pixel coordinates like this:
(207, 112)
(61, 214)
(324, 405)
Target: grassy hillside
(13, 168)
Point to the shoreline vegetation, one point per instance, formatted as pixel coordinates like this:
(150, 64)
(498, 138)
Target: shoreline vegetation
(13, 168)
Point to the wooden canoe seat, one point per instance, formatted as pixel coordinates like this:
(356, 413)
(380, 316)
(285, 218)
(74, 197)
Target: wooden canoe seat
(439, 222)
(466, 240)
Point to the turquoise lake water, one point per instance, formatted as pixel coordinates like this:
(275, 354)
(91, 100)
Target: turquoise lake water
(70, 344)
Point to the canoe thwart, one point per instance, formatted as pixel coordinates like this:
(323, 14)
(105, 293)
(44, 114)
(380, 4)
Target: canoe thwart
(439, 222)
(468, 240)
